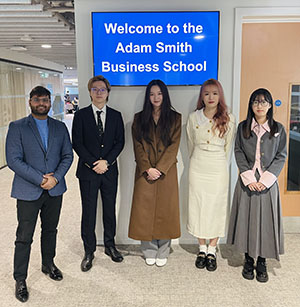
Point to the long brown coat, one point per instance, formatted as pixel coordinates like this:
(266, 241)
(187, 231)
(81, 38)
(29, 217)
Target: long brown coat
(155, 204)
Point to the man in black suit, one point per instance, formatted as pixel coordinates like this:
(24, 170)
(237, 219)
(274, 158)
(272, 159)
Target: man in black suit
(98, 139)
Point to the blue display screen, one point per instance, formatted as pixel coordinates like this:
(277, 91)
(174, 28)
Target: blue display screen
(132, 48)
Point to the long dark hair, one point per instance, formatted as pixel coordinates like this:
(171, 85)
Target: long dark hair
(167, 116)
(250, 115)
(221, 117)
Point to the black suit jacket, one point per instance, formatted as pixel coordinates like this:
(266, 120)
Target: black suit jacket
(90, 147)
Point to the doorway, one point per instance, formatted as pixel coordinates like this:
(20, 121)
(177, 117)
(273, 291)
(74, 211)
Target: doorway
(267, 49)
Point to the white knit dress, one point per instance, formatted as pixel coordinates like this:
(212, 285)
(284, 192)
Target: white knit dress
(208, 176)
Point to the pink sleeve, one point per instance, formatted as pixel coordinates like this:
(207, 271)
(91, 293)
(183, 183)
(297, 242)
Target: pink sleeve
(248, 177)
(267, 179)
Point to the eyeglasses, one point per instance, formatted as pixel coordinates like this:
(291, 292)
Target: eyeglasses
(99, 90)
(36, 100)
(263, 103)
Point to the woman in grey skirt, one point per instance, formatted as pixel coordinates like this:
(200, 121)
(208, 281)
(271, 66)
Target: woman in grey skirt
(255, 226)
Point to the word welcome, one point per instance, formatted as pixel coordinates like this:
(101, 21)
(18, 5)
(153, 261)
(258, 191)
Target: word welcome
(115, 28)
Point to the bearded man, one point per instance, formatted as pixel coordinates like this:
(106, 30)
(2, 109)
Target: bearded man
(39, 152)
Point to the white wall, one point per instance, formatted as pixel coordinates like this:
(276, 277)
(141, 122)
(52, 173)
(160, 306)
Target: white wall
(129, 100)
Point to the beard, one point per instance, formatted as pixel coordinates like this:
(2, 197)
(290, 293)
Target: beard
(40, 111)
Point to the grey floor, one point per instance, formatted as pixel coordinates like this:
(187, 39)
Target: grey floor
(132, 283)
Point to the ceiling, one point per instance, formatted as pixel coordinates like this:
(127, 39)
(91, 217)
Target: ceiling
(26, 25)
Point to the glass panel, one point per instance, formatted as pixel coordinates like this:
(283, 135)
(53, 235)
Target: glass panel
(293, 183)
(16, 81)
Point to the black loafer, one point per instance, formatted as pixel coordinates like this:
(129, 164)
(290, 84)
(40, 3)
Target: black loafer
(200, 262)
(113, 253)
(21, 291)
(87, 262)
(53, 271)
(211, 262)
(261, 272)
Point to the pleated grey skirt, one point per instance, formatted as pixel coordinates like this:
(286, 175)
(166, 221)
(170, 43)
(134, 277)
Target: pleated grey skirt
(255, 225)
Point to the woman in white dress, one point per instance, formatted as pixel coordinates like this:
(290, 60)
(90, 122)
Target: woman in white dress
(210, 131)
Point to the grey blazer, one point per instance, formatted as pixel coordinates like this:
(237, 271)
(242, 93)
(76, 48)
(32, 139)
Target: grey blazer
(273, 151)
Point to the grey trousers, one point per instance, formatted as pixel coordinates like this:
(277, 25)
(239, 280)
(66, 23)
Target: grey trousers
(156, 248)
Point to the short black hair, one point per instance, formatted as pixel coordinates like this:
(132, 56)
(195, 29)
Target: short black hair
(39, 91)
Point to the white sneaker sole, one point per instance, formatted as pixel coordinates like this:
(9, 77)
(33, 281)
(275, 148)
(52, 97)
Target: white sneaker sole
(150, 261)
(161, 262)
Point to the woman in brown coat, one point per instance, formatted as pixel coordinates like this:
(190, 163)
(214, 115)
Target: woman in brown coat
(156, 134)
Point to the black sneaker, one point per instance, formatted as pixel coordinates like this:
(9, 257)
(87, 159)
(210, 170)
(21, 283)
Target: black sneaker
(261, 272)
(200, 262)
(248, 270)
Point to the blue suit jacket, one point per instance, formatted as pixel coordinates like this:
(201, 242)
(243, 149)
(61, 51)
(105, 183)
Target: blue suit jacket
(27, 157)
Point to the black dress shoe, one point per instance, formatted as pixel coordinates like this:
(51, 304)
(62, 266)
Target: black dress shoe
(201, 260)
(21, 291)
(261, 272)
(113, 253)
(211, 262)
(53, 271)
(87, 262)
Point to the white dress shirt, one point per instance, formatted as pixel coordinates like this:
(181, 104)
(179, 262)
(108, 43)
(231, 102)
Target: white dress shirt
(102, 115)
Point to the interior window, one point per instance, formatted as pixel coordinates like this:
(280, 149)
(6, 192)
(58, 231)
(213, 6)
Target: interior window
(293, 180)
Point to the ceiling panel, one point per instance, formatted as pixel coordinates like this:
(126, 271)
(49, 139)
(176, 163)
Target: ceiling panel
(29, 24)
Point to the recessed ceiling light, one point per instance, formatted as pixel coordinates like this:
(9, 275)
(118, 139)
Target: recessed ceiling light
(18, 48)
(26, 38)
(18, 68)
(46, 46)
(67, 44)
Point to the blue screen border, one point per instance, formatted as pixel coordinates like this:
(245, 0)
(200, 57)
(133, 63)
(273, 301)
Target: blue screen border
(122, 12)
